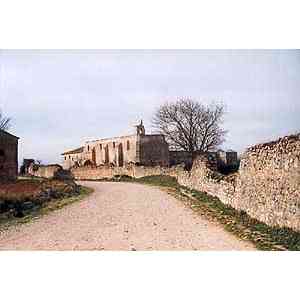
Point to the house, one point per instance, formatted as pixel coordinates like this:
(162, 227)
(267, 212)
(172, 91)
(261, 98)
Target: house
(8, 156)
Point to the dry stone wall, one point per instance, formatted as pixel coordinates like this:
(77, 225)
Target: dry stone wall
(94, 173)
(48, 171)
(267, 185)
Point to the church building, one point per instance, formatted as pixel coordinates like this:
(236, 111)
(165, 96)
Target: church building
(139, 148)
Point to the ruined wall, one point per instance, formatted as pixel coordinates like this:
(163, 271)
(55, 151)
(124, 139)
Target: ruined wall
(267, 185)
(203, 177)
(94, 173)
(180, 157)
(101, 172)
(138, 148)
(44, 171)
(146, 150)
(117, 151)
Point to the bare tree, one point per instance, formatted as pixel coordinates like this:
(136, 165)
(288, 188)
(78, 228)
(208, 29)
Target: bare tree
(191, 126)
(5, 122)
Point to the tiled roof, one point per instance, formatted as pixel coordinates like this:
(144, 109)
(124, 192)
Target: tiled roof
(75, 151)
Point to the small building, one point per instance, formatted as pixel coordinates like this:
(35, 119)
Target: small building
(44, 171)
(73, 158)
(25, 166)
(227, 158)
(8, 156)
(139, 148)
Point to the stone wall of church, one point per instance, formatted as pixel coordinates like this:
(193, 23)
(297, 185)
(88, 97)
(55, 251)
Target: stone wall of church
(118, 151)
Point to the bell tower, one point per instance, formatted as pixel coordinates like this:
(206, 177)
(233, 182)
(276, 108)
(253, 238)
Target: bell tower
(140, 132)
(140, 129)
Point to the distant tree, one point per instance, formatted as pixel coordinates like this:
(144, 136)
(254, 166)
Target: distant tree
(5, 122)
(191, 126)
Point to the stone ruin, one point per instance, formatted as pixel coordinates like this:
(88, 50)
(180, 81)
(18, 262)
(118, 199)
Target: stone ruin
(266, 187)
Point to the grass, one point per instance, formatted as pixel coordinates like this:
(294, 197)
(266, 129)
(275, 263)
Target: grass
(45, 208)
(264, 237)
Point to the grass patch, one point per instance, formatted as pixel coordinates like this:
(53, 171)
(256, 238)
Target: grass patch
(264, 237)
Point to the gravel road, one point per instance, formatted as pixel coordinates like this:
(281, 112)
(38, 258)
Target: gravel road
(122, 216)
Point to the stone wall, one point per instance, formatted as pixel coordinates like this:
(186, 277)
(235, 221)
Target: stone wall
(94, 173)
(267, 186)
(117, 151)
(180, 157)
(48, 171)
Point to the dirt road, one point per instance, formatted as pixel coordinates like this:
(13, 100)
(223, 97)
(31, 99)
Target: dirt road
(122, 216)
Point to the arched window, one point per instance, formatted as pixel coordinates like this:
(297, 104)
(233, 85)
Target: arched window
(114, 144)
(100, 146)
(88, 148)
(128, 145)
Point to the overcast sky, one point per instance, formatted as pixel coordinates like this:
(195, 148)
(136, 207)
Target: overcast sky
(59, 99)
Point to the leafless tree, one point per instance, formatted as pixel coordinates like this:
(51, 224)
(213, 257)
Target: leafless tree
(5, 122)
(189, 125)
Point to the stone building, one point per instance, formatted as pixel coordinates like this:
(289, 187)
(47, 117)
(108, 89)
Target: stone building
(25, 166)
(139, 148)
(8, 156)
(228, 158)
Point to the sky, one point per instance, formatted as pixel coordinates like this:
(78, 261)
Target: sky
(58, 99)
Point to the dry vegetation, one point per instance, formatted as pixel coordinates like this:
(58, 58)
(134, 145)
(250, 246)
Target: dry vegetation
(27, 196)
(35, 190)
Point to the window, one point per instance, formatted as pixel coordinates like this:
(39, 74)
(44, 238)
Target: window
(114, 144)
(128, 145)
(100, 146)
(2, 156)
(88, 148)
(65, 158)
(69, 156)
